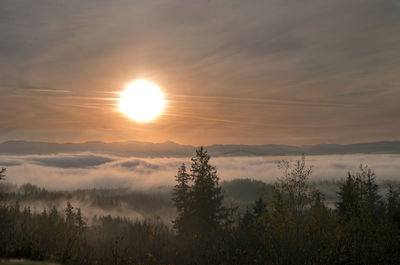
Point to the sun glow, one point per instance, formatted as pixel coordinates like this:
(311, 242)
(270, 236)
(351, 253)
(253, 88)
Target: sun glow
(142, 101)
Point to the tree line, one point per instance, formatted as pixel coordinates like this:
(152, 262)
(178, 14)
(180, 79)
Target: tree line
(296, 226)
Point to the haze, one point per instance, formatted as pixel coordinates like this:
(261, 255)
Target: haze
(251, 72)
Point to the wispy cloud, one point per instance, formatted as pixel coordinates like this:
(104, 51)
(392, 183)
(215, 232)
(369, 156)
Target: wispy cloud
(235, 67)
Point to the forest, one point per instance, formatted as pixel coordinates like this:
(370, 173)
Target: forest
(291, 221)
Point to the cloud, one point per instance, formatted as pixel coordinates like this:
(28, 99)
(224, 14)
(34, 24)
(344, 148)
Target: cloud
(137, 164)
(287, 53)
(75, 161)
(9, 163)
(144, 173)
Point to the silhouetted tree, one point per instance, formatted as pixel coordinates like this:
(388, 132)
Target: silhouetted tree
(198, 199)
(181, 196)
(259, 207)
(2, 175)
(206, 196)
(393, 205)
(294, 226)
(361, 218)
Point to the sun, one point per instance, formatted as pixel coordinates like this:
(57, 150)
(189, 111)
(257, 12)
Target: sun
(142, 101)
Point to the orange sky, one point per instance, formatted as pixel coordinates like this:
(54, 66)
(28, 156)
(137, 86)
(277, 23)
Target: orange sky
(233, 71)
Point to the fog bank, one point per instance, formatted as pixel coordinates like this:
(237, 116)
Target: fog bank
(92, 170)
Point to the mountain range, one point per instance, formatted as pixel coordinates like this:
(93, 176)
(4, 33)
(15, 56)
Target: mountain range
(171, 149)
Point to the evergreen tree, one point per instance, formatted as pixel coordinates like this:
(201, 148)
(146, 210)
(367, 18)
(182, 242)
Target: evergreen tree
(259, 207)
(348, 204)
(69, 214)
(393, 205)
(2, 175)
(181, 198)
(359, 196)
(373, 201)
(360, 211)
(198, 199)
(206, 195)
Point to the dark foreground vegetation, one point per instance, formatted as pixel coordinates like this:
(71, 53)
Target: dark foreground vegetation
(289, 224)
(24, 262)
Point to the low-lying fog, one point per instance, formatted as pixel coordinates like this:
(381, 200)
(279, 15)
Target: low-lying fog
(90, 170)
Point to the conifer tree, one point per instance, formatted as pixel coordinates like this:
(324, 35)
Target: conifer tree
(393, 205)
(198, 198)
(206, 195)
(69, 214)
(348, 204)
(360, 212)
(181, 198)
(2, 175)
(259, 207)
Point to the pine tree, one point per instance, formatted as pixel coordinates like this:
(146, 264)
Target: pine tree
(360, 210)
(181, 198)
(359, 195)
(259, 207)
(198, 198)
(2, 175)
(348, 204)
(206, 195)
(373, 201)
(393, 205)
(69, 214)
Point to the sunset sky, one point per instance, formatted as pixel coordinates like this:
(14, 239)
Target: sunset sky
(232, 71)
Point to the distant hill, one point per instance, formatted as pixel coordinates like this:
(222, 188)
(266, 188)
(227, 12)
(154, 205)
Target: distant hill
(171, 149)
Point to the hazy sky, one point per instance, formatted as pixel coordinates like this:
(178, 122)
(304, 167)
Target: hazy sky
(233, 71)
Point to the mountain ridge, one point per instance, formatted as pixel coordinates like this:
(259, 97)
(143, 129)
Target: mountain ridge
(171, 149)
